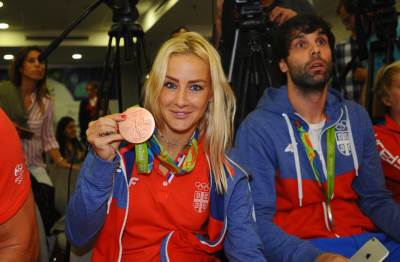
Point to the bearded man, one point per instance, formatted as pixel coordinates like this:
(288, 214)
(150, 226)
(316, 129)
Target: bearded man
(318, 187)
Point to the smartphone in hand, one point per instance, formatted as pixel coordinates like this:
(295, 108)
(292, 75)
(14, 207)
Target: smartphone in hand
(372, 251)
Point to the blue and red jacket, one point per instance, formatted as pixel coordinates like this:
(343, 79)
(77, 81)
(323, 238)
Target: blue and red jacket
(99, 208)
(388, 143)
(289, 203)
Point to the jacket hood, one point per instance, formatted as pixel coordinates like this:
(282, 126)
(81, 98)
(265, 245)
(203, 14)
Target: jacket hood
(275, 100)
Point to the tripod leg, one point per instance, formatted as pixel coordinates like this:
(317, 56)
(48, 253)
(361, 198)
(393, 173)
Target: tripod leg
(145, 60)
(370, 81)
(116, 74)
(264, 69)
(244, 85)
(234, 49)
(128, 46)
(102, 106)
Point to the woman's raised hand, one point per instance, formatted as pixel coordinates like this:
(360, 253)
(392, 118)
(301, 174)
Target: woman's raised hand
(104, 136)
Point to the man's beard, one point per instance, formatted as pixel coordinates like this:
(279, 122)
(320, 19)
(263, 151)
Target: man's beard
(310, 82)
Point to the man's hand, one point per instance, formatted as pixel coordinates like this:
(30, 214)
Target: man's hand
(280, 15)
(331, 257)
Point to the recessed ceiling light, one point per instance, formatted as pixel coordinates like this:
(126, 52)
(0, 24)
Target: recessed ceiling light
(8, 57)
(77, 56)
(4, 25)
(1, 4)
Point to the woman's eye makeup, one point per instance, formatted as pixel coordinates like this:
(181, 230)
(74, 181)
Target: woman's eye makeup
(169, 85)
(196, 87)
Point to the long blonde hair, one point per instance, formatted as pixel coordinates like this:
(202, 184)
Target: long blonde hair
(217, 123)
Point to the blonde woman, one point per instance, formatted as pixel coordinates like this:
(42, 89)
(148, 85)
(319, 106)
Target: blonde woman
(192, 200)
(388, 133)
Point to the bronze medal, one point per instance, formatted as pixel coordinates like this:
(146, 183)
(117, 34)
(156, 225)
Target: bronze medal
(138, 126)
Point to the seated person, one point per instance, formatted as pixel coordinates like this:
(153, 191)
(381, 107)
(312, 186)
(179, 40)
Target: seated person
(88, 107)
(70, 147)
(19, 238)
(177, 196)
(318, 188)
(387, 134)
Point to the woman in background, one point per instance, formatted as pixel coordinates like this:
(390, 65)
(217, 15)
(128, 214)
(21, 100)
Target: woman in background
(388, 133)
(70, 146)
(26, 101)
(177, 196)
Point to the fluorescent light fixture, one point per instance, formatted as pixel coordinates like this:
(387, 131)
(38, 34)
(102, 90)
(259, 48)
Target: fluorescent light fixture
(8, 57)
(4, 26)
(77, 56)
(1, 4)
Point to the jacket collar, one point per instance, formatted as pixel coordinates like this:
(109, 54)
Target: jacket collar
(391, 124)
(277, 101)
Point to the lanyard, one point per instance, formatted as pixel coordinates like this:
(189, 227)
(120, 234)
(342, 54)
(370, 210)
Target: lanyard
(330, 166)
(147, 151)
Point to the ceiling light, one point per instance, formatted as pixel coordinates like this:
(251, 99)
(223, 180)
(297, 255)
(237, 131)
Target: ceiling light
(77, 56)
(8, 57)
(3, 26)
(1, 4)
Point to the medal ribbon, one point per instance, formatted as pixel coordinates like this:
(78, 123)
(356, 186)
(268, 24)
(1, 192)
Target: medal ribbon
(145, 153)
(330, 166)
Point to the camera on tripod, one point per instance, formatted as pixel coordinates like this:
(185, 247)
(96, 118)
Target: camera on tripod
(251, 14)
(123, 10)
(381, 14)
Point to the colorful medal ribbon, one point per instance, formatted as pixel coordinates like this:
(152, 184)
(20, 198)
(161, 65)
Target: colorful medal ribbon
(145, 153)
(330, 166)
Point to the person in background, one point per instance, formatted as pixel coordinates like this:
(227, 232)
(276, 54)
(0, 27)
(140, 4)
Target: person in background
(19, 237)
(255, 67)
(355, 79)
(70, 147)
(387, 134)
(318, 188)
(26, 101)
(88, 107)
(177, 196)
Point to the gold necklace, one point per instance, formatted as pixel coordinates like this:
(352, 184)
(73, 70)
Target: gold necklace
(163, 139)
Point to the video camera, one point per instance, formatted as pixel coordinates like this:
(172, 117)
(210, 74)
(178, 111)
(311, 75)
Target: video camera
(251, 14)
(123, 10)
(381, 14)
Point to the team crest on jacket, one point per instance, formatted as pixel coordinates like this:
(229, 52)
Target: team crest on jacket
(19, 173)
(343, 138)
(201, 196)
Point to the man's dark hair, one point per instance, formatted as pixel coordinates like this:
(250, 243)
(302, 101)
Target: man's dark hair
(349, 5)
(306, 24)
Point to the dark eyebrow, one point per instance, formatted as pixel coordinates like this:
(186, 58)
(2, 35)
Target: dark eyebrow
(300, 34)
(171, 78)
(191, 81)
(321, 32)
(297, 35)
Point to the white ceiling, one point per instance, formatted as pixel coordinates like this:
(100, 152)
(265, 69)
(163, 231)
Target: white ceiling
(33, 19)
(39, 22)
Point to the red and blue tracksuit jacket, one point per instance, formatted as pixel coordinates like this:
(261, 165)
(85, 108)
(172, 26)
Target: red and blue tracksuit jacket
(289, 204)
(387, 137)
(98, 210)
